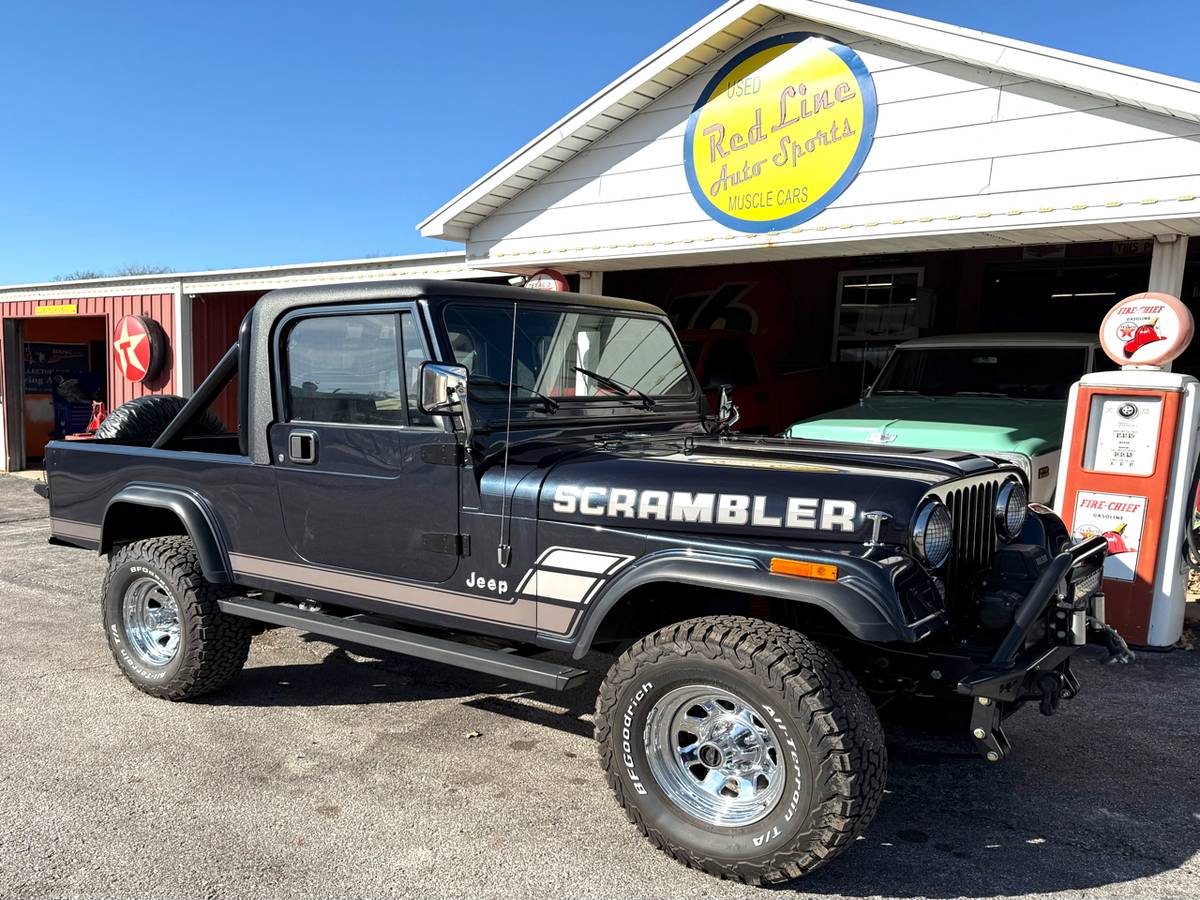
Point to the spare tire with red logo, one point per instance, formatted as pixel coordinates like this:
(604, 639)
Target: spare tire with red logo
(139, 347)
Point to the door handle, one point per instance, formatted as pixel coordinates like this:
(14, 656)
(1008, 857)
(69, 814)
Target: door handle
(302, 447)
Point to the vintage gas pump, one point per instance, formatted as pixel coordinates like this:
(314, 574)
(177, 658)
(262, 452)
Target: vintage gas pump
(1128, 456)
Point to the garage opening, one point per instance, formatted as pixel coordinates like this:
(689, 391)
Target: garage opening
(57, 367)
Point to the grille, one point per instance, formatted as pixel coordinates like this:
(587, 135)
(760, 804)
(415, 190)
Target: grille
(971, 508)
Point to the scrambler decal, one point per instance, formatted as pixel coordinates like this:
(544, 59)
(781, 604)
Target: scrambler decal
(706, 508)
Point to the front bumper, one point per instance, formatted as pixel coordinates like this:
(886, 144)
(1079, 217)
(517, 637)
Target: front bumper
(1066, 600)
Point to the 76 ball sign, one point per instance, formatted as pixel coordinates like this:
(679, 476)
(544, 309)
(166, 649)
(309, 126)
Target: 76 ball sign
(138, 347)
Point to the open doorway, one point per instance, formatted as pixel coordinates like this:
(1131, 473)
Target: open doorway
(55, 368)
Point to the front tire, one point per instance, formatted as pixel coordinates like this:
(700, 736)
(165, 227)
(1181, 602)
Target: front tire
(741, 748)
(163, 623)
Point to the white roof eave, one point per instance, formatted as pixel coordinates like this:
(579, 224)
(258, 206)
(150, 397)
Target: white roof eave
(1148, 90)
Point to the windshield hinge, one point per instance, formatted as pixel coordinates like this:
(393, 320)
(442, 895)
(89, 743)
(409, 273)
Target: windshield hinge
(444, 454)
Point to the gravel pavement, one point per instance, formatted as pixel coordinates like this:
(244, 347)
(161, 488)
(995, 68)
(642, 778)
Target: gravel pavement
(324, 772)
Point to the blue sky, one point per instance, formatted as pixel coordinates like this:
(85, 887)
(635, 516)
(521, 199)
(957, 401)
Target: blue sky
(220, 134)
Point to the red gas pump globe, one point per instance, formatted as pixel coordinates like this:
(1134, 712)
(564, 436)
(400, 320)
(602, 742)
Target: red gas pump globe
(138, 348)
(1148, 329)
(548, 280)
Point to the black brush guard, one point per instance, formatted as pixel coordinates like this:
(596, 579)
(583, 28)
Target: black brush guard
(1019, 672)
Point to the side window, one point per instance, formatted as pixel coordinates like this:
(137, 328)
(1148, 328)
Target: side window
(345, 370)
(415, 353)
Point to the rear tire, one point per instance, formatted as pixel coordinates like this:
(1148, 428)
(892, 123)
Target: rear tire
(164, 626)
(740, 748)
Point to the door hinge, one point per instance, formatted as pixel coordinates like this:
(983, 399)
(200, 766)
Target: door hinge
(453, 544)
(442, 454)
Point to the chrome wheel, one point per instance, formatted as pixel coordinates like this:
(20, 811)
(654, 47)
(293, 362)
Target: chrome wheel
(714, 755)
(151, 619)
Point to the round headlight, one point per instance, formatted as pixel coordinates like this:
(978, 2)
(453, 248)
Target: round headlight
(933, 533)
(1012, 505)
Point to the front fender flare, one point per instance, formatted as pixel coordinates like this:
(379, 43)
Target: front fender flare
(193, 512)
(855, 600)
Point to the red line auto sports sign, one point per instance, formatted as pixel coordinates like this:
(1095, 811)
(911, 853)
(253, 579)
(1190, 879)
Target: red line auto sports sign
(780, 132)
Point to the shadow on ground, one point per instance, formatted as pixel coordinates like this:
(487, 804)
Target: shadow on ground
(1051, 819)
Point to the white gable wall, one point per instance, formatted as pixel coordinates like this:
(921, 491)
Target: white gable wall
(956, 150)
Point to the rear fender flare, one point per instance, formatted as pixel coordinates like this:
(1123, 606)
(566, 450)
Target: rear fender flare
(854, 601)
(193, 513)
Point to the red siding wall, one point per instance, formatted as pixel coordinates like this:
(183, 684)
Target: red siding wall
(215, 321)
(159, 307)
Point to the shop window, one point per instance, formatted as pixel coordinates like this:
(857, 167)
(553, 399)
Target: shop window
(877, 309)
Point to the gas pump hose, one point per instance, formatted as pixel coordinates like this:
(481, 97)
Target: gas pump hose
(1191, 549)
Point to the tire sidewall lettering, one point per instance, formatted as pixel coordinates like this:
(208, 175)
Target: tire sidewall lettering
(628, 740)
(627, 732)
(119, 580)
(793, 760)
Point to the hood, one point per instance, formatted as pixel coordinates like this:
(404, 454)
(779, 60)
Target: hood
(745, 486)
(973, 424)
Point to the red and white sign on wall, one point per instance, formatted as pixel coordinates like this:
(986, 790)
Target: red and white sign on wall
(1149, 329)
(138, 347)
(548, 280)
(1120, 519)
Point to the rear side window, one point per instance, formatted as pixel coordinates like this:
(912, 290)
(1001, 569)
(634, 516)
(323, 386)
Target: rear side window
(346, 370)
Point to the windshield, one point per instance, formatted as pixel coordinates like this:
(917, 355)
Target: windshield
(1031, 373)
(630, 354)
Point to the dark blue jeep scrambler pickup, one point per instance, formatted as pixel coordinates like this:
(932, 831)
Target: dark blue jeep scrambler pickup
(419, 464)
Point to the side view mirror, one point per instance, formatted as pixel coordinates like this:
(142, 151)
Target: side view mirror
(443, 388)
(727, 412)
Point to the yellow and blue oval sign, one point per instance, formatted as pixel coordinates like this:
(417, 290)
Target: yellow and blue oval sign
(780, 132)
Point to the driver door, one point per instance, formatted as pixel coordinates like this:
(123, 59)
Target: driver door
(366, 481)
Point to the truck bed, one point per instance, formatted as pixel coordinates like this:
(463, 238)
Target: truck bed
(87, 477)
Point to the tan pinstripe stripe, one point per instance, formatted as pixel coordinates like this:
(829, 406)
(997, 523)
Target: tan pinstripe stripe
(521, 612)
(69, 528)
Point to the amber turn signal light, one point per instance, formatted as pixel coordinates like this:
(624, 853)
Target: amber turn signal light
(803, 569)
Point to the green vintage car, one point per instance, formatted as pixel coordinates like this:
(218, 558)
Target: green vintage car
(1002, 395)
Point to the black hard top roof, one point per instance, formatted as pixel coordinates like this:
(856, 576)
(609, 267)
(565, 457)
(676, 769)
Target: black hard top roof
(274, 303)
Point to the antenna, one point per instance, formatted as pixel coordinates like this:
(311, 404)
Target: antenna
(862, 379)
(504, 549)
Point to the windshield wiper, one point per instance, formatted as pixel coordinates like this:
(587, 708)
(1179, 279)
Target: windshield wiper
(898, 391)
(980, 394)
(614, 385)
(551, 404)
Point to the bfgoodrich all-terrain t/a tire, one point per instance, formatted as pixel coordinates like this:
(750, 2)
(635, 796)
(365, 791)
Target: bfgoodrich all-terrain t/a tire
(164, 627)
(740, 748)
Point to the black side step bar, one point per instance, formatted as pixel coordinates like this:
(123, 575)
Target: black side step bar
(495, 662)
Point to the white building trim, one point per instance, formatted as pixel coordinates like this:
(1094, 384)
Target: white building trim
(445, 265)
(712, 36)
(181, 346)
